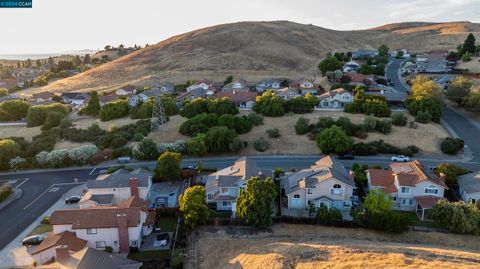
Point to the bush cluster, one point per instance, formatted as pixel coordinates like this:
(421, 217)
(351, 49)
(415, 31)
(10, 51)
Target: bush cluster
(452, 146)
(114, 110)
(380, 147)
(261, 145)
(209, 106)
(37, 115)
(203, 122)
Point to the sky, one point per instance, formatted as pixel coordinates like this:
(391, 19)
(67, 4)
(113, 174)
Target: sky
(53, 26)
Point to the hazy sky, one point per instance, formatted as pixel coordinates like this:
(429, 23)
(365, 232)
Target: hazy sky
(67, 25)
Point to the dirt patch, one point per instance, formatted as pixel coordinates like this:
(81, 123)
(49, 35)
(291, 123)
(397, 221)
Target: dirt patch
(473, 65)
(306, 246)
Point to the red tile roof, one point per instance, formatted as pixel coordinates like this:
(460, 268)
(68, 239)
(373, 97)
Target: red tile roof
(95, 217)
(66, 238)
(427, 201)
(412, 173)
(384, 179)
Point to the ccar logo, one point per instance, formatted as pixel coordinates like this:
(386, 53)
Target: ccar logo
(15, 4)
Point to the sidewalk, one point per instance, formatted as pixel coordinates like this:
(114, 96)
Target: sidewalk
(15, 254)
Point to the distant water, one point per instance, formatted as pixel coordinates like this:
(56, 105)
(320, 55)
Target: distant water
(43, 55)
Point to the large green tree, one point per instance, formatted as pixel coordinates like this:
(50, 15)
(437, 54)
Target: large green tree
(269, 104)
(194, 206)
(255, 202)
(219, 138)
(459, 89)
(330, 63)
(13, 110)
(377, 202)
(469, 44)
(458, 217)
(334, 140)
(8, 150)
(93, 106)
(168, 167)
(383, 51)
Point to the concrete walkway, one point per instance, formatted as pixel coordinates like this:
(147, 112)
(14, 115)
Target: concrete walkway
(15, 254)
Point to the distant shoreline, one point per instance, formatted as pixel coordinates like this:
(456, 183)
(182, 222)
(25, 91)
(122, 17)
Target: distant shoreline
(35, 56)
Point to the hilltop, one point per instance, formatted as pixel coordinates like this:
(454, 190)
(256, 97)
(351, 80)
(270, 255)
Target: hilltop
(255, 50)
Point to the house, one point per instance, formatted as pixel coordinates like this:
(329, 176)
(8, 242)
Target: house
(241, 99)
(237, 86)
(287, 93)
(364, 53)
(192, 95)
(126, 90)
(335, 98)
(304, 86)
(469, 187)
(360, 79)
(121, 227)
(158, 90)
(351, 66)
(42, 97)
(393, 97)
(121, 186)
(205, 84)
(107, 98)
(223, 186)
(89, 258)
(326, 183)
(76, 99)
(45, 252)
(411, 185)
(432, 62)
(268, 84)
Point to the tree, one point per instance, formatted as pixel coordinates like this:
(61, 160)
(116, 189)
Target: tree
(228, 80)
(466, 57)
(255, 202)
(329, 64)
(425, 87)
(77, 61)
(383, 51)
(169, 106)
(168, 167)
(365, 69)
(472, 101)
(36, 115)
(261, 144)
(334, 140)
(40, 81)
(114, 110)
(193, 206)
(469, 45)
(459, 88)
(451, 146)
(3, 92)
(53, 120)
(377, 202)
(93, 106)
(269, 104)
(8, 150)
(145, 150)
(13, 110)
(197, 146)
(302, 126)
(458, 217)
(219, 138)
(451, 172)
(87, 59)
(398, 119)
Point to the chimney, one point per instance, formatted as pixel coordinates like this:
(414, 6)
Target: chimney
(61, 252)
(133, 186)
(351, 175)
(442, 177)
(122, 224)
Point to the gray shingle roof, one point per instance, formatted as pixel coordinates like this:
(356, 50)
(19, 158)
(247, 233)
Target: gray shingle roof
(470, 183)
(118, 181)
(100, 259)
(102, 199)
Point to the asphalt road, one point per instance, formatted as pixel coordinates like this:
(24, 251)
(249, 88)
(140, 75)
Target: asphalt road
(457, 122)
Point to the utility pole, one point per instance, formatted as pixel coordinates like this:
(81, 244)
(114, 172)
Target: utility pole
(159, 119)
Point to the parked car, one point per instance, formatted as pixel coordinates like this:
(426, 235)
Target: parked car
(33, 240)
(400, 158)
(73, 199)
(392, 84)
(123, 159)
(190, 167)
(346, 156)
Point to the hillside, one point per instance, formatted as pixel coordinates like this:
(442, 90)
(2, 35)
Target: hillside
(255, 50)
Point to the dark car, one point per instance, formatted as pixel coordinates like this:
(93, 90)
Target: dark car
(33, 240)
(346, 156)
(73, 199)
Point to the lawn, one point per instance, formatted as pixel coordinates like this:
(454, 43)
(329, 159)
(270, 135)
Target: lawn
(41, 229)
(417, 222)
(158, 255)
(167, 224)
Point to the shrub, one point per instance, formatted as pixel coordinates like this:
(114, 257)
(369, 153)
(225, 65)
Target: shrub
(8, 150)
(327, 215)
(370, 123)
(219, 138)
(255, 118)
(334, 140)
(398, 119)
(216, 106)
(83, 154)
(236, 145)
(17, 163)
(452, 146)
(53, 120)
(384, 126)
(458, 217)
(302, 126)
(196, 146)
(261, 145)
(37, 115)
(114, 110)
(423, 117)
(325, 122)
(273, 133)
(269, 104)
(13, 110)
(178, 146)
(145, 150)
(451, 172)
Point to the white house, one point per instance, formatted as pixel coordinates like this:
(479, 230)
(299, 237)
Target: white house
(223, 186)
(335, 98)
(204, 84)
(287, 93)
(326, 183)
(237, 85)
(126, 90)
(120, 227)
(304, 86)
(351, 66)
(113, 188)
(411, 185)
(469, 187)
(45, 252)
(268, 84)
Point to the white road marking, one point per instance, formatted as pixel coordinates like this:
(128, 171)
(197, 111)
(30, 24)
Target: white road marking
(52, 188)
(18, 186)
(92, 171)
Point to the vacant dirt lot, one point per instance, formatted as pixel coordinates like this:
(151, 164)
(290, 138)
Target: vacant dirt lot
(473, 66)
(305, 246)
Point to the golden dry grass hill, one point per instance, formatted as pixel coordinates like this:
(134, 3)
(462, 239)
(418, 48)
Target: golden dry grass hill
(255, 50)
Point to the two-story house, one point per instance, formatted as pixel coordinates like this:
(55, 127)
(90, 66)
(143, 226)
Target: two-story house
(110, 189)
(335, 98)
(326, 183)
(411, 185)
(158, 90)
(287, 93)
(469, 187)
(205, 84)
(240, 99)
(237, 85)
(223, 186)
(304, 86)
(268, 84)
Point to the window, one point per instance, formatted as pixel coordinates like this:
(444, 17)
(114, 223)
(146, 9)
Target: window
(210, 196)
(405, 201)
(115, 243)
(410, 201)
(337, 189)
(134, 243)
(100, 244)
(92, 231)
(431, 189)
(227, 203)
(337, 186)
(325, 103)
(224, 190)
(394, 198)
(405, 190)
(309, 191)
(296, 196)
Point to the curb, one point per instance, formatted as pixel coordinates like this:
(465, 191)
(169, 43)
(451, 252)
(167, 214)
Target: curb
(17, 193)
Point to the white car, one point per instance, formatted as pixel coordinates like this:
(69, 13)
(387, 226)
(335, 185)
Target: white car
(400, 158)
